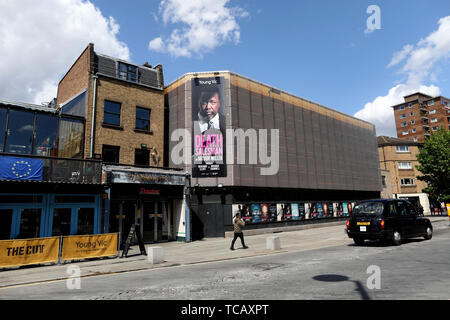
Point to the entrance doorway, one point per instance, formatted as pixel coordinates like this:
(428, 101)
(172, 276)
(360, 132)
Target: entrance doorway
(155, 219)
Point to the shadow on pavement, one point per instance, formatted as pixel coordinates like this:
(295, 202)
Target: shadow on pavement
(339, 278)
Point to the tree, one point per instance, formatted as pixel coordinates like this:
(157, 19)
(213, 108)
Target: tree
(434, 164)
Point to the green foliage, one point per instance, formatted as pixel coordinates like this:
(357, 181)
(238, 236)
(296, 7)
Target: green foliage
(434, 164)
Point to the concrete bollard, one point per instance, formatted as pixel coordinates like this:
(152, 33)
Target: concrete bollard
(155, 255)
(273, 243)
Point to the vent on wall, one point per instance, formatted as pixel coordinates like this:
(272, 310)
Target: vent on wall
(275, 91)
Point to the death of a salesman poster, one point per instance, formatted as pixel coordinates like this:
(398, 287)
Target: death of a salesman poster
(209, 127)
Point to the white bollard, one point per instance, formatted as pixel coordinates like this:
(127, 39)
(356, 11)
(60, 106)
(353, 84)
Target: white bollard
(273, 243)
(155, 255)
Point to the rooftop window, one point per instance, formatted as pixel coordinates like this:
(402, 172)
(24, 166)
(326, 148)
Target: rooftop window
(127, 72)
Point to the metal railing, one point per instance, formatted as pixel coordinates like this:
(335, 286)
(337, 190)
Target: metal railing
(66, 170)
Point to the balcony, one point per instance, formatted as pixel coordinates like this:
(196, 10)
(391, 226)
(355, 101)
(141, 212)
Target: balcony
(21, 167)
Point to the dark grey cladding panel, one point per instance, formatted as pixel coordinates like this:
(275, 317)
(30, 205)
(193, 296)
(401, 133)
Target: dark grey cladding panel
(234, 95)
(257, 120)
(244, 118)
(106, 66)
(243, 99)
(148, 77)
(278, 110)
(256, 103)
(267, 104)
(268, 122)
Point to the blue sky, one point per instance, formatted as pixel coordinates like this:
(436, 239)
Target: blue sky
(314, 49)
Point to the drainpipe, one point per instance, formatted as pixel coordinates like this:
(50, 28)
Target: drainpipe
(94, 99)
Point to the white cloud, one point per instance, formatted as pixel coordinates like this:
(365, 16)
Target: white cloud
(400, 55)
(156, 44)
(206, 24)
(419, 66)
(427, 52)
(39, 43)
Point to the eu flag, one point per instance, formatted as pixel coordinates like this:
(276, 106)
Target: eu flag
(14, 168)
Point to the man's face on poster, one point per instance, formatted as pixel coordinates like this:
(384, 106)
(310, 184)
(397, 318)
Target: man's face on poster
(211, 106)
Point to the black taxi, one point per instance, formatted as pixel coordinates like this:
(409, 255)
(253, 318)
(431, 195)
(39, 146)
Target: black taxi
(392, 220)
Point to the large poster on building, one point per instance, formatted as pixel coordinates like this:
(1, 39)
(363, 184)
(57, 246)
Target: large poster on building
(208, 127)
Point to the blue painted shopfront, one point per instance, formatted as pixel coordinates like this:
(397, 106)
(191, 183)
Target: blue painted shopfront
(45, 215)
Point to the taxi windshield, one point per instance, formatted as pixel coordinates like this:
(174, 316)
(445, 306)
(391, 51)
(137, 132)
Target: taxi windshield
(369, 208)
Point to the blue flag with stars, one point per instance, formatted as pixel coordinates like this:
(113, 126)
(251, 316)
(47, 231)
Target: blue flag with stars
(14, 168)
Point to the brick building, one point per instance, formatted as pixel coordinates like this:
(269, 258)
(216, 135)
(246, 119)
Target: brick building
(122, 105)
(420, 115)
(399, 158)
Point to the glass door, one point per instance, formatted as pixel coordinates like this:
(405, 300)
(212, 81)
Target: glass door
(6, 218)
(61, 221)
(30, 223)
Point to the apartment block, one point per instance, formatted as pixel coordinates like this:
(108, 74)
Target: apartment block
(420, 115)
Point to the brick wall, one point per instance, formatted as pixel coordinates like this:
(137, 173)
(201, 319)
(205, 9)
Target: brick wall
(130, 96)
(389, 159)
(77, 78)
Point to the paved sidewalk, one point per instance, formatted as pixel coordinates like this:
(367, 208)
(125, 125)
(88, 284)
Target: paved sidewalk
(180, 253)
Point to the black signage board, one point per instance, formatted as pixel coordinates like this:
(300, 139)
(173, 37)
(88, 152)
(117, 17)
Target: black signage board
(134, 230)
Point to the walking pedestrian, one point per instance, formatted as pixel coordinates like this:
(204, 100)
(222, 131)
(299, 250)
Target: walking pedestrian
(238, 226)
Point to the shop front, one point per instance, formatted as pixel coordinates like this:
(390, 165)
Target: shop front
(45, 196)
(39, 215)
(152, 199)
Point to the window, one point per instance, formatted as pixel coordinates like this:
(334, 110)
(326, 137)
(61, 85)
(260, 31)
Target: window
(110, 154)
(413, 121)
(402, 116)
(405, 132)
(413, 130)
(407, 181)
(401, 108)
(415, 139)
(6, 219)
(127, 72)
(404, 124)
(143, 119)
(405, 165)
(409, 105)
(45, 135)
(71, 133)
(85, 221)
(402, 208)
(61, 222)
(2, 126)
(435, 128)
(434, 120)
(432, 111)
(30, 223)
(431, 103)
(383, 181)
(402, 148)
(411, 113)
(112, 113)
(20, 132)
(142, 157)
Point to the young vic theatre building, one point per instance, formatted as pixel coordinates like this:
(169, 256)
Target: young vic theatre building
(276, 158)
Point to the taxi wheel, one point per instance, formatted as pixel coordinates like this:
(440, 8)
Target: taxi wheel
(358, 241)
(396, 238)
(429, 234)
